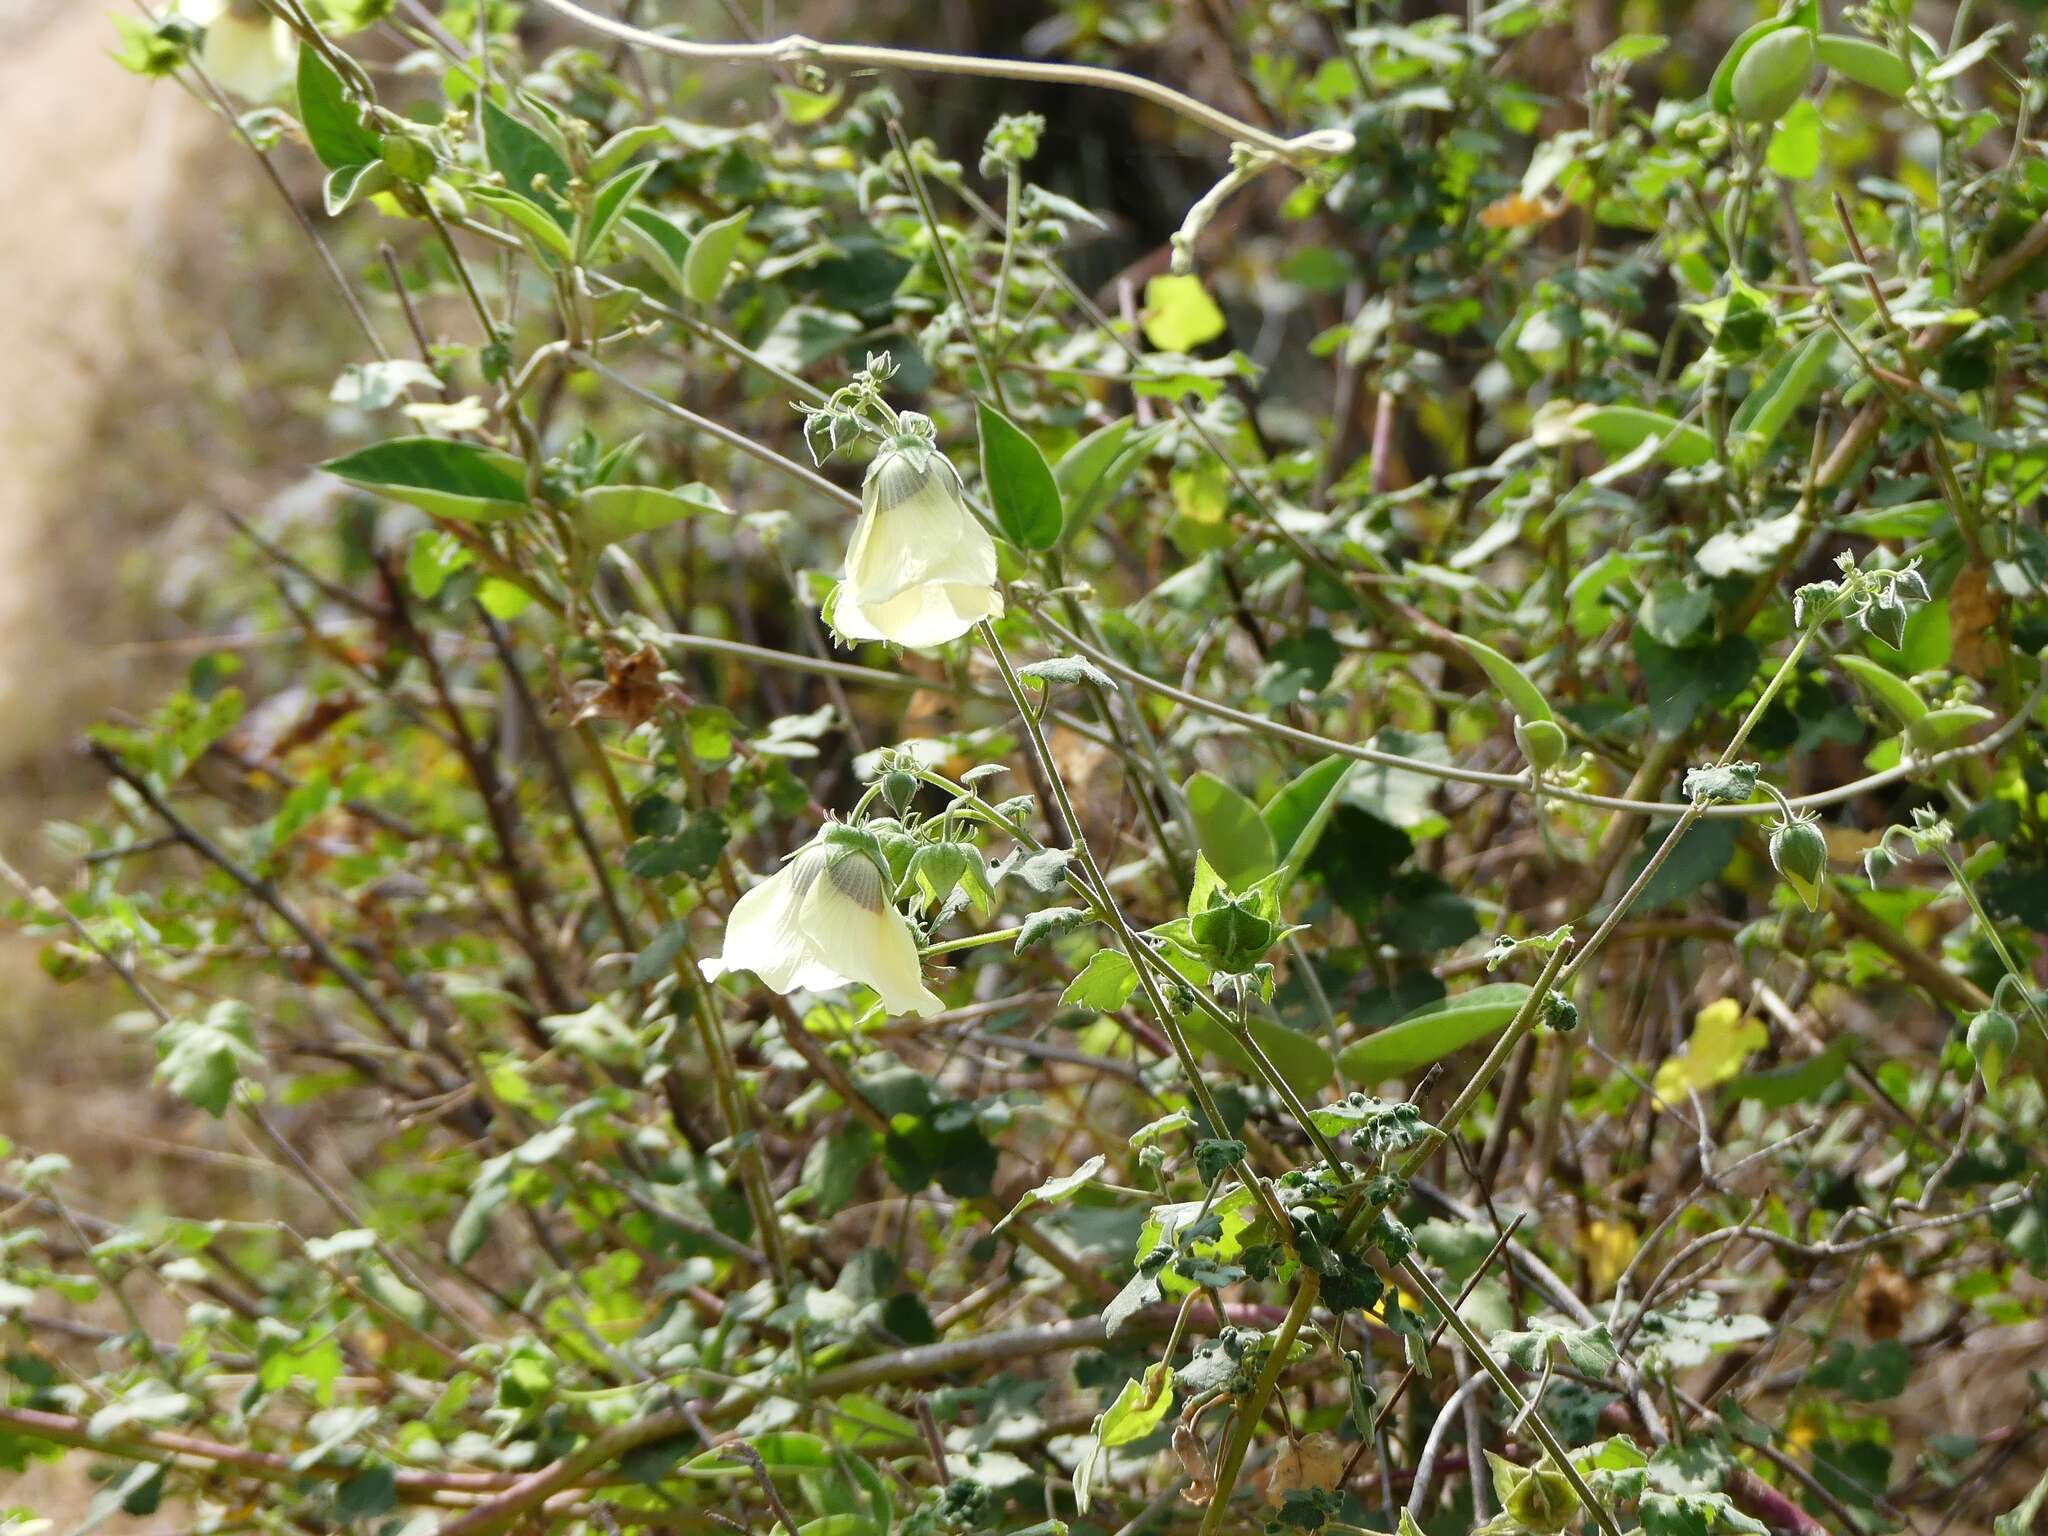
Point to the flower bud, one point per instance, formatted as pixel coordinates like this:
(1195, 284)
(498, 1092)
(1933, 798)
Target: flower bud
(1773, 73)
(1560, 1013)
(899, 788)
(1992, 1039)
(1800, 853)
(1542, 742)
(1885, 618)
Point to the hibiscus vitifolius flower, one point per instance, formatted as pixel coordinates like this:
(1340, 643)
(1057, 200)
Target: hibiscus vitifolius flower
(825, 920)
(920, 570)
(248, 52)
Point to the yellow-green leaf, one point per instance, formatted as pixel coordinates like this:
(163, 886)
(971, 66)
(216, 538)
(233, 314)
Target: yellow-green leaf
(1722, 1041)
(1179, 314)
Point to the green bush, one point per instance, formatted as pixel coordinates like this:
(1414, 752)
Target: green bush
(891, 890)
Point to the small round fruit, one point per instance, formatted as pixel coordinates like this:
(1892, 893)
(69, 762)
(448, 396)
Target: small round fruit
(1799, 851)
(1992, 1039)
(1542, 742)
(1773, 74)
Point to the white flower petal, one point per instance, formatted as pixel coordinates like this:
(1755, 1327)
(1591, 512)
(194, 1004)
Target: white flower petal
(927, 615)
(763, 934)
(250, 57)
(872, 945)
(920, 570)
(930, 536)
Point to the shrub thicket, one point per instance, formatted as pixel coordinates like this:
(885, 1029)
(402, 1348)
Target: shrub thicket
(893, 890)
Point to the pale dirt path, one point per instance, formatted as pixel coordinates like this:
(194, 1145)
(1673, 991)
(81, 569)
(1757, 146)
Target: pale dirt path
(97, 171)
(101, 170)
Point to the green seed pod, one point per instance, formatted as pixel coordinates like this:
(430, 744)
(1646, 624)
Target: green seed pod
(1800, 853)
(406, 157)
(1542, 742)
(1234, 932)
(1539, 1499)
(1992, 1039)
(899, 789)
(1885, 618)
(1773, 74)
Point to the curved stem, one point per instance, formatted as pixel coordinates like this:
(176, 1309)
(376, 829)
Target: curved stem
(804, 50)
(1519, 782)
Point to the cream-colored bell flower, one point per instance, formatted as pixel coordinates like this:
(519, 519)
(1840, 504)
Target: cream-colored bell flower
(249, 54)
(825, 920)
(920, 570)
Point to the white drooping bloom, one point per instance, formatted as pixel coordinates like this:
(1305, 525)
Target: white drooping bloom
(920, 570)
(824, 920)
(250, 55)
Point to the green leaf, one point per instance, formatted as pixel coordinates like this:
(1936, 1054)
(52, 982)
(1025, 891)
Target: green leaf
(200, 1059)
(473, 1223)
(1090, 473)
(1063, 1187)
(1619, 428)
(658, 958)
(615, 512)
(1297, 814)
(546, 230)
(342, 187)
(691, 851)
(1699, 858)
(459, 481)
(333, 125)
(1522, 695)
(1139, 1409)
(610, 204)
(1020, 483)
(1939, 727)
(623, 146)
(503, 599)
(1048, 923)
(526, 159)
(435, 555)
(1749, 550)
(660, 242)
(709, 259)
(2019, 1520)
(1433, 1032)
(1969, 55)
(780, 1450)
(1894, 692)
(1068, 671)
(1865, 62)
(1800, 1082)
(805, 334)
(371, 1492)
(1179, 314)
(1105, 983)
(1229, 831)
(1790, 385)
(803, 107)
(1682, 683)
(1301, 1060)
(1796, 142)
